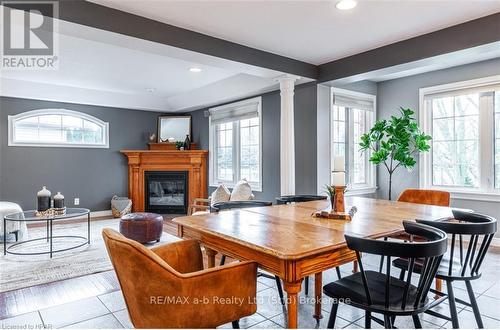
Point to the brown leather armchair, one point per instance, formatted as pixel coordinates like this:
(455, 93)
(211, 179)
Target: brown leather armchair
(167, 287)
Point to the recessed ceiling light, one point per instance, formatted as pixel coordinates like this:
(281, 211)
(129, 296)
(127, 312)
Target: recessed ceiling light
(150, 90)
(195, 69)
(346, 4)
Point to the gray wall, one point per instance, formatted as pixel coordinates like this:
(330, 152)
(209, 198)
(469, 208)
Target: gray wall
(305, 107)
(305, 140)
(93, 175)
(404, 92)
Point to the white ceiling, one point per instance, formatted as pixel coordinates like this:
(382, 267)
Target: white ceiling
(103, 68)
(109, 69)
(311, 31)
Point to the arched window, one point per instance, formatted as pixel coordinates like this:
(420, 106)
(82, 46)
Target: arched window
(57, 128)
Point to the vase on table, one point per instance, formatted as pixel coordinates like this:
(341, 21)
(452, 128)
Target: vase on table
(43, 199)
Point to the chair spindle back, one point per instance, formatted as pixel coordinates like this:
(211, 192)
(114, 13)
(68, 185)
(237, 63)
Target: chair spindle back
(430, 251)
(479, 228)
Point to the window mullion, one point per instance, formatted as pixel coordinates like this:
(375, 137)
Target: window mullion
(350, 144)
(215, 138)
(369, 172)
(486, 145)
(236, 151)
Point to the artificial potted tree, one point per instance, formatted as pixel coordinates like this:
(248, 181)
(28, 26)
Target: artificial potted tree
(395, 142)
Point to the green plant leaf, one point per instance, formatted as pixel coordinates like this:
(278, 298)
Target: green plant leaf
(398, 139)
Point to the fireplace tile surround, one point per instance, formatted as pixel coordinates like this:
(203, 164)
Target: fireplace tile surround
(145, 162)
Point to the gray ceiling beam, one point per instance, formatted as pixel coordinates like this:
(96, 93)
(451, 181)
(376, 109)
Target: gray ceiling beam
(477, 32)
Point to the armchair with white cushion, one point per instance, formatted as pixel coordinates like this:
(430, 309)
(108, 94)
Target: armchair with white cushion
(241, 192)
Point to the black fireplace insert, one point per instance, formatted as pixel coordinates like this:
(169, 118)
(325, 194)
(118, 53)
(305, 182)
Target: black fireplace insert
(166, 192)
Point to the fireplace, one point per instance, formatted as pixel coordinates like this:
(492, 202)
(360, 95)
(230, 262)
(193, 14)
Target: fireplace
(193, 163)
(166, 192)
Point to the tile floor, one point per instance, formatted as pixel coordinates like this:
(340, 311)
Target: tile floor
(109, 310)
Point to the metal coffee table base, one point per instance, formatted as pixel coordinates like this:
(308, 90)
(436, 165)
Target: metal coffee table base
(49, 238)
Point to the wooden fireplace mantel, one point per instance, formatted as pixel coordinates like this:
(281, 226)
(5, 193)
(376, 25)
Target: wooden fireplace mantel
(139, 161)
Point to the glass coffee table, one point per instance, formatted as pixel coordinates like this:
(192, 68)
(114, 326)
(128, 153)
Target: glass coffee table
(30, 216)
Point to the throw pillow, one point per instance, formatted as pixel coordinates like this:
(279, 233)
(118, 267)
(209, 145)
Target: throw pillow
(221, 194)
(242, 191)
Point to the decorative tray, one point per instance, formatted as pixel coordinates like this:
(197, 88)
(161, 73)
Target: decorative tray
(330, 214)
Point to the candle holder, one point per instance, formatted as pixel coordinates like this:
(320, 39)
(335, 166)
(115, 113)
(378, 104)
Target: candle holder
(336, 193)
(338, 204)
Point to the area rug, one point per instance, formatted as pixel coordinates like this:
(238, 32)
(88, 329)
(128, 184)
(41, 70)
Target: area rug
(24, 271)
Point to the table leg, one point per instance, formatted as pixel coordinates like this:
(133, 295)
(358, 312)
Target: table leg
(4, 236)
(292, 289)
(50, 222)
(211, 257)
(439, 287)
(318, 290)
(88, 227)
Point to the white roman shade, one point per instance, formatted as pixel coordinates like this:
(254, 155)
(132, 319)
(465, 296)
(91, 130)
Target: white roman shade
(353, 101)
(235, 111)
(462, 91)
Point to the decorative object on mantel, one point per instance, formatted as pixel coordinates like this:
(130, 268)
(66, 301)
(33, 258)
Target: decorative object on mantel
(173, 128)
(395, 142)
(58, 201)
(168, 146)
(187, 142)
(179, 145)
(120, 206)
(43, 199)
(152, 137)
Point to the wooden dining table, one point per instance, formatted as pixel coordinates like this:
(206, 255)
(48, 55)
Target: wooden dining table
(286, 240)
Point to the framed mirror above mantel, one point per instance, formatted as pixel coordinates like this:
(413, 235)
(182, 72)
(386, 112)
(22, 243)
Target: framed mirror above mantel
(173, 128)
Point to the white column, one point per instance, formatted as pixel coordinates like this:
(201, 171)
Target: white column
(287, 135)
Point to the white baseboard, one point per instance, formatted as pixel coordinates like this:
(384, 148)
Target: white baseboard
(104, 213)
(96, 214)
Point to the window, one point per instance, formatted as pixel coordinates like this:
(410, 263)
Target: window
(57, 128)
(353, 115)
(497, 139)
(464, 121)
(235, 143)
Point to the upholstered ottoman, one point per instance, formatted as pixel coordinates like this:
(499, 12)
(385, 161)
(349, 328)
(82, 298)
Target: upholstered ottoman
(142, 227)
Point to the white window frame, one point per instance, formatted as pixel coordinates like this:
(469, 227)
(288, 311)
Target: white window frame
(371, 172)
(486, 191)
(64, 112)
(214, 182)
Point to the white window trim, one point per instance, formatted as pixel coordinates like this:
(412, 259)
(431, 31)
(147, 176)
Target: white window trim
(425, 158)
(41, 112)
(212, 140)
(371, 186)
